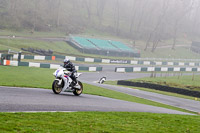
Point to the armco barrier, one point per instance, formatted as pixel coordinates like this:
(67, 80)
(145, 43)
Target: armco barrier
(157, 69)
(161, 88)
(51, 66)
(116, 61)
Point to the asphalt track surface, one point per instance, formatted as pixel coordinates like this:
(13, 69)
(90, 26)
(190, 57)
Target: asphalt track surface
(16, 99)
(93, 78)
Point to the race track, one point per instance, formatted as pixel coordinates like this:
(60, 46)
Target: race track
(187, 104)
(14, 99)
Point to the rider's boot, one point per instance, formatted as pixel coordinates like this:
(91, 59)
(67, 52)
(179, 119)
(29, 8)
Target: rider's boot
(76, 85)
(75, 82)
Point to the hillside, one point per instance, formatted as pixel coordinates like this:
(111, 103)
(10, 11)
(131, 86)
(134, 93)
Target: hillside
(152, 21)
(60, 47)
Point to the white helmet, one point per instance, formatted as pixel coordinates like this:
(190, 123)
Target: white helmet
(66, 61)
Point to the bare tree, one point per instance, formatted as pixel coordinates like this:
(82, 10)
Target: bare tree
(184, 10)
(58, 14)
(159, 27)
(35, 15)
(116, 18)
(142, 8)
(100, 9)
(88, 7)
(133, 16)
(196, 18)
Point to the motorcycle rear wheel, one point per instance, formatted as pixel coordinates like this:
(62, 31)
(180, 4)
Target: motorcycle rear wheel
(56, 88)
(78, 92)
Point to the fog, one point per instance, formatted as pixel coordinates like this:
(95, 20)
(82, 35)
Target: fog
(149, 20)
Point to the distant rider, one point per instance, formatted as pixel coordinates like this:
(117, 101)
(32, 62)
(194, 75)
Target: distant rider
(70, 67)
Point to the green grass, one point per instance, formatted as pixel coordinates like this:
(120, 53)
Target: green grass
(17, 44)
(155, 91)
(65, 49)
(26, 77)
(90, 89)
(27, 33)
(59, 47)
(185, 82)
(179, 53)
(43, 78)
(86, 122)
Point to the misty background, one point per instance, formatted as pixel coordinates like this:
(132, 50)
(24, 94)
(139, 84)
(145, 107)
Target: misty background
(149, 20)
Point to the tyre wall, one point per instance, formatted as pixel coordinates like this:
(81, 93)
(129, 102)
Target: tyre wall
(160, 88)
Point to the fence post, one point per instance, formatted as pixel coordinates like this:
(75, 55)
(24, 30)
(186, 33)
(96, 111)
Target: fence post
(19, 56)
(193, 76)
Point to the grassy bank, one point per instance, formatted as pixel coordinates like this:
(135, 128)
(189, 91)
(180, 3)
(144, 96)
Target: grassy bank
(155, 91)
(98, 122)
(28, 33)
(58, 47)
(64, 48)
(179, 53)
(185, 82)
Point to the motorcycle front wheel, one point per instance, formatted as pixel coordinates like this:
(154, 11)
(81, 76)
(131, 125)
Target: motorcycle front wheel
(56, 88)
(78, 92)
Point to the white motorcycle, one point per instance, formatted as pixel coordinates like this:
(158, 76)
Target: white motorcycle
(63, 82)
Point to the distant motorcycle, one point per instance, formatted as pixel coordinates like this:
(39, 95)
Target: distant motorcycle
(102, 80)
(63, 82)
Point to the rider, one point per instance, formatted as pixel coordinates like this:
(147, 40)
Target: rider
(70, 67)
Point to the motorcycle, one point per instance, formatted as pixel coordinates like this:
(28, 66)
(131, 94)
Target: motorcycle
(102, 80)
(63, 82)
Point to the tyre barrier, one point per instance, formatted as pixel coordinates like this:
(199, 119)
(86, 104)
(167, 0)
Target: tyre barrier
(160, 88)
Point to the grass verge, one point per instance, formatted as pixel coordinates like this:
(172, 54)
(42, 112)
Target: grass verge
(98, 122)
(185, 82)
(178, 83)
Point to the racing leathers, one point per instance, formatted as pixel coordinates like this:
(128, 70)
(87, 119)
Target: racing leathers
(70, 67)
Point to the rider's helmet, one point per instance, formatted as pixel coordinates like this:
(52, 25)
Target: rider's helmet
(66, 61)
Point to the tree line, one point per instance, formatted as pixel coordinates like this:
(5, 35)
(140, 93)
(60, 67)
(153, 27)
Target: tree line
(149, 20)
